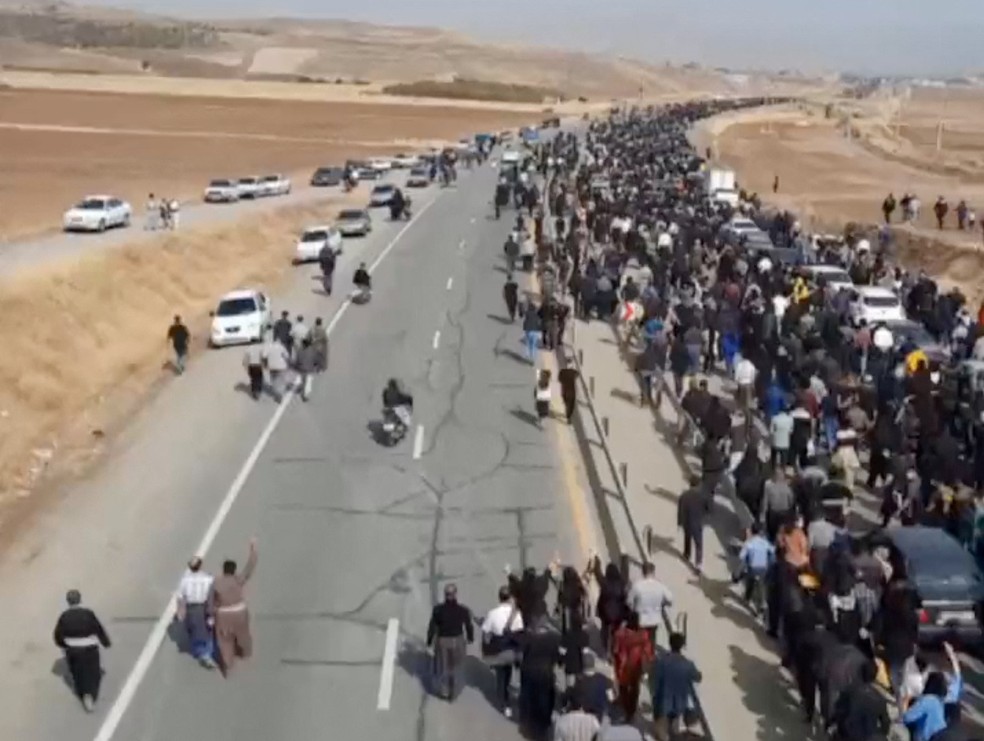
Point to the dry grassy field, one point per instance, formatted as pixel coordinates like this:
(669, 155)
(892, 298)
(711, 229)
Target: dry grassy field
(58, 146)
(829, 180)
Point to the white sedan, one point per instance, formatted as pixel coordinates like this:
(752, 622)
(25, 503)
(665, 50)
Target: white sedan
(874, 305)
(381, 164)
(240, 317)
(274, 185)
(222, 191)
(313, 240)
(249, 187)
(405, 161)
(97, 214)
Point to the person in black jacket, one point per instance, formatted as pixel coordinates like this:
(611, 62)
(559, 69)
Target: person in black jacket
(79, 634)
(451, 625)
(537, 687)
(861, 714)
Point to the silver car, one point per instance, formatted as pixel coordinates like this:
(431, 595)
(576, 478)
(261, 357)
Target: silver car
(354, 222)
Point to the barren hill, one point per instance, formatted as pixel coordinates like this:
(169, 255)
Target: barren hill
(61, 37)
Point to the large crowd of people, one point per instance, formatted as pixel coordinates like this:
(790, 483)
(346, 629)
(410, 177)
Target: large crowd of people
(841, 439)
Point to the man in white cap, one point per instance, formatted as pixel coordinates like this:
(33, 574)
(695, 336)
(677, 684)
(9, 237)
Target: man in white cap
(193, 594)
(79, 634)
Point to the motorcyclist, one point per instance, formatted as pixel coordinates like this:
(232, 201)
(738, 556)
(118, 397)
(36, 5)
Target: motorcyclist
(398, 401)
(361, 278)
(326, 259)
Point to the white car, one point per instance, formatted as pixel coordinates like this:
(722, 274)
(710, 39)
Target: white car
(875, 304)
(239, 318)
(381, 164)
(354, 222)
(313, 240)
(382, 194)
(405, 161)
(97, 214)
(835, 277)
(222, 191)
(249, 187)
(274, 185)
(510, 157)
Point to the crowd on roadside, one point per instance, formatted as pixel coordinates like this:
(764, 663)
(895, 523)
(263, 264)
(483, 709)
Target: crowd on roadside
(909, 207)
(161, 213)
(822, 418)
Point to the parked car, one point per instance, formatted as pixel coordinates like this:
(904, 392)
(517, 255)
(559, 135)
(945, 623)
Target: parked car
(368, 172)
(274, 185)
(222, 191)
(239, 318)
(908, 332)
(835, 277)
(405, 161)
(249, 187)
(419, 177)
(354, 222)
(313, 240)
(381, 164)
(381, 194)
(97, 214)
(875, 304)
(327, 176)
(946, 579)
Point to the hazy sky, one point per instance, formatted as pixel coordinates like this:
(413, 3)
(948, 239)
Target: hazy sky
(892, 36)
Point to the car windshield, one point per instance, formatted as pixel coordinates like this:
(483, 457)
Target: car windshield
(881, 302)
(915, 333)
(219, 184)
(236, 307)
(382, 189)
(350, 215)
(91, 204)
(247, 181)
(271, 178)
(316, 235)
(834, 276)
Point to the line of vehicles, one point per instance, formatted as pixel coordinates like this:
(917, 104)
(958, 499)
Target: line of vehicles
(231, 190)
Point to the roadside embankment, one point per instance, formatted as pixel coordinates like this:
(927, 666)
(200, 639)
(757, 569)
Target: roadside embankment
(85, 342)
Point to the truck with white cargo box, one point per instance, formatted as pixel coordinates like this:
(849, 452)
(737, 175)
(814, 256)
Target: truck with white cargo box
(721, 186)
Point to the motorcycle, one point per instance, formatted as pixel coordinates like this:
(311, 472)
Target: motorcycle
(401, 213)
(393, 428)
(361, 295)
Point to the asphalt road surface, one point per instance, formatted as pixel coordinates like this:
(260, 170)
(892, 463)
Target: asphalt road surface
(34, 252)
(356, 541)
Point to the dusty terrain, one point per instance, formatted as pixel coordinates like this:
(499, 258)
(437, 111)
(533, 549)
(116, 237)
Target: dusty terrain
(44, 36)
(829, 180)
(53, 408)
(58, 146)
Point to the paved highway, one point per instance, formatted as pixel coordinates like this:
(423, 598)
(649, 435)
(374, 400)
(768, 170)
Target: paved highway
(356, 541)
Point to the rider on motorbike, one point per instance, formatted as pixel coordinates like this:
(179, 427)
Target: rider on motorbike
(362, 281)
(398, 401)
(397, 204)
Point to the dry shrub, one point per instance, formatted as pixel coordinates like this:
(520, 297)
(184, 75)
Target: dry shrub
(84, 342)
(464, 89)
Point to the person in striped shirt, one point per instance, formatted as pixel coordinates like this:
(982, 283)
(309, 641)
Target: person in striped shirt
(193, 611)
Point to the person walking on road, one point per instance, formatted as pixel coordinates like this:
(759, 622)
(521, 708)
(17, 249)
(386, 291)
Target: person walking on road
(276, 357)
(510, 292)
(633, 652)
(532, 327)
(298, 333)
(253, 363)
(152, 211)
(691, 512)
(674, 677)
(500, 631)
(537, 685)
(449, 632)
(307, 366)
(319, 339)
(650, 599)
(193, 603)
(227, 602)
(282, 331)
(888, 207)
(179, 336)
(542, 394)
(567, 377)
(576, 724)
(326, 260)
(79, 634)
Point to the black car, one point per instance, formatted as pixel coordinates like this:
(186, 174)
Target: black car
(327, 177)
(946, 579)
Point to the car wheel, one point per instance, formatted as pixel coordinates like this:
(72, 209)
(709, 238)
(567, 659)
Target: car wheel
(126, 221)
(102, 225)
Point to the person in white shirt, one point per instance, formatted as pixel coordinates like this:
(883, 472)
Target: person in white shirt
(650, 599)
(192, 600)
(502, 622)
(576, 724)
(277, 359)
(745, 373)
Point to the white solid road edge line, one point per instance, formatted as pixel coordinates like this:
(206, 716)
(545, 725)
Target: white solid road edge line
(157, 634)
(418, 442)
(450, 283)
(389, 665)
(437, 338)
